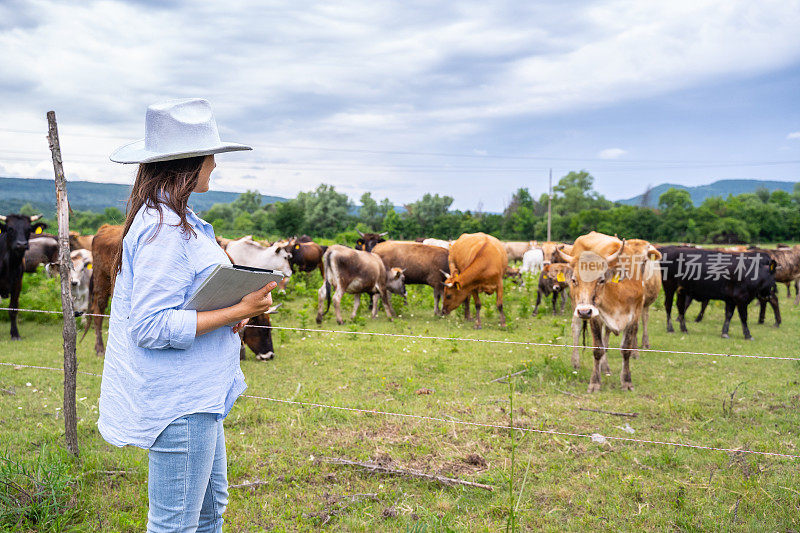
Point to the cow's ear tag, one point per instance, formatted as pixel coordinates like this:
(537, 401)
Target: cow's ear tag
(89, 266)
(615, 279)
(560, 277)
(296, 246)
(38, 230)
(544, 276)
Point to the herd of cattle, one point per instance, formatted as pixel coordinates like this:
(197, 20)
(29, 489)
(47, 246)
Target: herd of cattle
(611, 282)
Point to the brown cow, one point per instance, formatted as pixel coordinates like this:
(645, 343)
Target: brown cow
(306, 256)
(549, 249)
(421, 264)
(368, 240)
(80, 242)
(477, 264)
(516, 249)
(356, 272)
(607, 291)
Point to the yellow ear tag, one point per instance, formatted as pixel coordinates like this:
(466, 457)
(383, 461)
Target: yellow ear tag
(560, 277)
(544, 276)
(89, 266)
(296, 246)
(38, 230)
(615, 279)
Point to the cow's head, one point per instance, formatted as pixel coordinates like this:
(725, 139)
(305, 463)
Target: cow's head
(591, 274)
(454, 293)
(81, 269)
(556, 276)
(17, 229)
(396, 281)
(259, 339)
(367, 241)
(513, 274)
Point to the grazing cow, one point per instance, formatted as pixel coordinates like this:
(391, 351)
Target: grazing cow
(788, 268)
(516, 249)
(607, 292)
(438, 242)
(306, 256)
(735, 278)
(477, 264)
(80, 242)
(356, 272)
(553, 280)
(258, 337)
(532, 261)
(247, 252)
(368, 240)
(421, 264)
(42, 249)
(15, 230)
(514, 274)
(80, 277)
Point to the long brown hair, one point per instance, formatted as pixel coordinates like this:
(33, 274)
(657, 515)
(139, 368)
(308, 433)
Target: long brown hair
(164, 182)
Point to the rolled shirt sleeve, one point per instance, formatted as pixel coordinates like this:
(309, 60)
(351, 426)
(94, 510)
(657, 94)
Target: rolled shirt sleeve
(162, 276)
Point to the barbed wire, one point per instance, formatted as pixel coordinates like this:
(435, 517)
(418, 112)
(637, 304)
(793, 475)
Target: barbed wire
(595, 437)
(460, 339)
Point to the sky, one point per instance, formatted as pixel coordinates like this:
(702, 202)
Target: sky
(471, 99)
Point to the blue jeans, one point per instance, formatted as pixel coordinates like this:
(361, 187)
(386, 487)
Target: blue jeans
(188, 479)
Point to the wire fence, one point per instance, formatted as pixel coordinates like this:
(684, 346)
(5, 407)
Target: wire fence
(452, 339)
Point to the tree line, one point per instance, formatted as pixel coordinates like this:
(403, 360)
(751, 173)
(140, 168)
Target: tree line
(762, 216)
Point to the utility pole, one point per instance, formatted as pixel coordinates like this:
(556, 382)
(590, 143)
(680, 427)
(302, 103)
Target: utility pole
(549, 204)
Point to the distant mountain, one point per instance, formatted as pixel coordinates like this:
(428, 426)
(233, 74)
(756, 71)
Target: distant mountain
(719, 188)
(90, 196)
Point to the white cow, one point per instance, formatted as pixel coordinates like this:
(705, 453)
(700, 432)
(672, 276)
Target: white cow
(532, 261)
(248, 252)
(438, 242)
(80, 275)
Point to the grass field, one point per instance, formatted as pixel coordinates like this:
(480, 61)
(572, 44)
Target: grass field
(572, 483)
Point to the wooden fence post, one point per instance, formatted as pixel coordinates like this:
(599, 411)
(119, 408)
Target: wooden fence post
(65, 265)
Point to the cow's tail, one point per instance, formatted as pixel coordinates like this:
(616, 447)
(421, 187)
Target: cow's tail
(88, 320)
(326, 262)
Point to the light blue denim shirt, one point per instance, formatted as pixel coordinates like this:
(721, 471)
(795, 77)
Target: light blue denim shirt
(156, 370)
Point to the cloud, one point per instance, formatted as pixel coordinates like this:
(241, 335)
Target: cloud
(611, 153)
(794, 135)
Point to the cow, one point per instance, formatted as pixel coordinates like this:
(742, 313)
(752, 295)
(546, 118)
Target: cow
(438, 242)
(550, 252)
(42, 250)
(80, 277)
(735, 278)
(516, 249)
(421, 265)
(306, 256)
(80, 242)
(356, 272)
(258, 336)
(553, 281)
(477, 263)
(788, 268)
(607, 291)
(247, 252)
(532, 261)
(367, 241)
(15, 230)
(105, 246)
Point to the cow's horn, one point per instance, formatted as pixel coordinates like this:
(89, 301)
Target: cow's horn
(613, 257)
(384, 233)
(564, 255)
(359, 232)
(445, 274)
(274, 309)
(2, 218)
(34, 218)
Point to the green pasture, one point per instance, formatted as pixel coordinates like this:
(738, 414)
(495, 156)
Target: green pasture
(560, 483)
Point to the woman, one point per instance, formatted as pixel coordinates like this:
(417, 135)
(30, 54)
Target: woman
(172, 375)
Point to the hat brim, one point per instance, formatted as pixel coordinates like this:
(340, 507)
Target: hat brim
(135, 152)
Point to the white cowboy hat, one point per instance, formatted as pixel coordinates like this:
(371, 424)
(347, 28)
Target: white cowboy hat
(174, 130)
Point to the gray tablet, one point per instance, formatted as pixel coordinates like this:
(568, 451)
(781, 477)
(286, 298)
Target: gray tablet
(227, 284)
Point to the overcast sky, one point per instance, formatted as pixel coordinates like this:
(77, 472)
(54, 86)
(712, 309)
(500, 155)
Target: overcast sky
(469, 99)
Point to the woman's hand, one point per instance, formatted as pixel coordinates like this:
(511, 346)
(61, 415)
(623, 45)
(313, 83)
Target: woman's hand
(258, 301)
(251, 305)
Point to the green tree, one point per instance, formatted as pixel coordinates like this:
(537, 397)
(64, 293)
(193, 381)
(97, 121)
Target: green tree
(288, 217)
(368, 212)
(421, 216)
(326, 212)
(248, 202)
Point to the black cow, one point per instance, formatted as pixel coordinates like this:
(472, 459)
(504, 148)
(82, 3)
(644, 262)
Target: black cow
(735, 278)
(259, 338)
(14, 233)
(368, 240)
